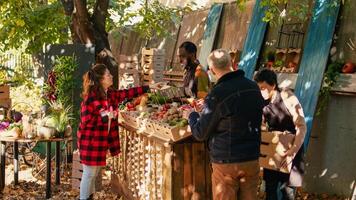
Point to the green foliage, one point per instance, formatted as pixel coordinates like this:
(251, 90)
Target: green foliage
(330, 77)
(156, 19)
(64, 82)
(64, 69)
(278, 10)
(20, 73)
(60, 117)
(278, 64)
(241, 4)
(33, 23)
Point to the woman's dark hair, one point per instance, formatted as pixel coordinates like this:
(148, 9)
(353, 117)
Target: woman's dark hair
(268, 76)
(91, 80)
(190, 47)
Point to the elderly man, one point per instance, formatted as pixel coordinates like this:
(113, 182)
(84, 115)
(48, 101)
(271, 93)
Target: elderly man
(230, 121)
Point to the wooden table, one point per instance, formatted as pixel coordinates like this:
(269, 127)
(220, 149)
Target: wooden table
(16, 141)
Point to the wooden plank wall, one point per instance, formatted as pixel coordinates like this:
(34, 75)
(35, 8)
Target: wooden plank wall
(234, 25)
(167, 43)
(254, 40)
(314, 59)
(210, 30)
(192, 29)
(124, 41)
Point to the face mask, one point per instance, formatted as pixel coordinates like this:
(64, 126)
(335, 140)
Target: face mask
(265, 94)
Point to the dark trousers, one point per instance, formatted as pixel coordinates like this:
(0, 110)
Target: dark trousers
(277, 186)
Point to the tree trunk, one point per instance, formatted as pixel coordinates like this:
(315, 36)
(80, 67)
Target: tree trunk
(90, 30)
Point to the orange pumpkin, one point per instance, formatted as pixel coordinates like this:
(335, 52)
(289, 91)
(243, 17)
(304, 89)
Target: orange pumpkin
(349, 67)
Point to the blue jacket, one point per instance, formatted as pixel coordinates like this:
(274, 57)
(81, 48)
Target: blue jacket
(231, 120)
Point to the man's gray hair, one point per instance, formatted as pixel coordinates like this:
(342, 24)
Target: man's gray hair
(219, 58)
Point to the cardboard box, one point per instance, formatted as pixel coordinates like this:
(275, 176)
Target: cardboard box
(272, 145)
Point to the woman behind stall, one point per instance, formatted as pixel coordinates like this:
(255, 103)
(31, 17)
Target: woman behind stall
(98, 128)
(282, 112)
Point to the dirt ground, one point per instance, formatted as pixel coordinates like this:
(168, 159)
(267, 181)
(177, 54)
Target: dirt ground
(31, 188)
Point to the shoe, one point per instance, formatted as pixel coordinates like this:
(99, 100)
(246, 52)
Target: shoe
(91, 197)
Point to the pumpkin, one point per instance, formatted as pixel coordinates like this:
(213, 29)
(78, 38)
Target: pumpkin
(349, 67)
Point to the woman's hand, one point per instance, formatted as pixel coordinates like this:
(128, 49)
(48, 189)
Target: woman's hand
(288, 157)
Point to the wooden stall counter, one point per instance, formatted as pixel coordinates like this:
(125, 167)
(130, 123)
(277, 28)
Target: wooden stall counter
(155, 168)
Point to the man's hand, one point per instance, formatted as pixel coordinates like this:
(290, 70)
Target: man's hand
(199, 105)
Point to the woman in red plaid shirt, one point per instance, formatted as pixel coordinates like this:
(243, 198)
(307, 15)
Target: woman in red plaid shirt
(98, 129)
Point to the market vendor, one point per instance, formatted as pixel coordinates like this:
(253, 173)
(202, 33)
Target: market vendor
(196, 80)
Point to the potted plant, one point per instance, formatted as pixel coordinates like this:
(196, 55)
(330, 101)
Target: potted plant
(58, 120)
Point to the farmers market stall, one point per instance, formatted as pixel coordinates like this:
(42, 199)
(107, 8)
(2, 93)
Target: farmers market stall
(160, 159)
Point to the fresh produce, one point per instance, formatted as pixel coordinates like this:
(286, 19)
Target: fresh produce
(160, 109)
(178, 122)
(16, 116)
(349, 67)
(4, 125)
(157, 99)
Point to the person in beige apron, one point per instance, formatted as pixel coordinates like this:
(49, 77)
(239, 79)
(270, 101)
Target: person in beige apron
(282, 112)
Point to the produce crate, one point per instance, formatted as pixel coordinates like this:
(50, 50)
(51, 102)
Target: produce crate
(130, 118)
(153, 58)
(4, 92)
(171, 133)
(128, 79)
(272, 144)
(153, 64)
(172, 92)
(153, 51)
(175, 77)
(77, 171)
(128, 62)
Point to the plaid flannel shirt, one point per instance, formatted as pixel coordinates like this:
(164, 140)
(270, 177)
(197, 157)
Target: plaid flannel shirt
(94, 139)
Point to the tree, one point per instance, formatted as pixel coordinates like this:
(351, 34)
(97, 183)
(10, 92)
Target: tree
(39, 22)
(278, 10)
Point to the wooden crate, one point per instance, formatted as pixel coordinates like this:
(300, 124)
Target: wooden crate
(77, 171)
(4, 92)
(130, 118)
(153, 67)
(154, 169)
(171, 133)
(5, 103)
(153, 58)
(129, 78)
(154, 128)
(153, 51)
(272, 144)
(175, 77)
(126, 62)
(171, 92)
